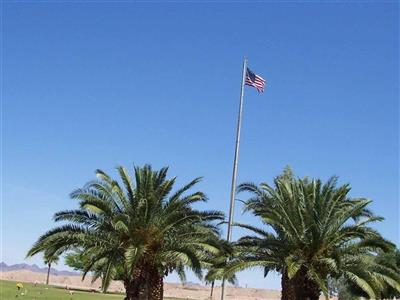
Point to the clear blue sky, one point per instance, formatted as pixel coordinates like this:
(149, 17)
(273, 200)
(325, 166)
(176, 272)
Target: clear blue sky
(96, 85)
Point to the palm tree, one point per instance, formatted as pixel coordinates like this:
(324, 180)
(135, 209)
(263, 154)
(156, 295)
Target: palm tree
(138, 232)
(216, 265)
(314, 231)
(50, 258)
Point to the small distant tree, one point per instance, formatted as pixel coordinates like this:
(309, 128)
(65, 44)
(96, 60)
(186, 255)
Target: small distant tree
(216, 266)
(49, 258)
(216, 273)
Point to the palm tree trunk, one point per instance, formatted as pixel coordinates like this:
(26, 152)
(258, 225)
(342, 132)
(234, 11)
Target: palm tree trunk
(307, 290)
(155, 285)
(132, 290)
(135, 287)
(48, 273)
(299, 287)
(287, 288)
(212, 289)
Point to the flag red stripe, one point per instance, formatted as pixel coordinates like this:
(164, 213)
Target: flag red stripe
(257, 82)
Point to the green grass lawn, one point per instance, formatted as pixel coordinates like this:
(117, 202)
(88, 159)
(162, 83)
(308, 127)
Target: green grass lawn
(8, 291)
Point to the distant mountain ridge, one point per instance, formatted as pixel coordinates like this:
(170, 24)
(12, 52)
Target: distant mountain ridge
(34, 268)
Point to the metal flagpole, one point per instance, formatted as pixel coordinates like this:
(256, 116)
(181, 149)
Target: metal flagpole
(235, 166)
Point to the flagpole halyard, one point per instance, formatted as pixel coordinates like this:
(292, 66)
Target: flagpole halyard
(235, 167)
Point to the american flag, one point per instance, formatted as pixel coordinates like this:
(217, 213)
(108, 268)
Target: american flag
(255, 81)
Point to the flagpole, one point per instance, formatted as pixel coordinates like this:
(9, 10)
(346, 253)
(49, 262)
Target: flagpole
(235, 167)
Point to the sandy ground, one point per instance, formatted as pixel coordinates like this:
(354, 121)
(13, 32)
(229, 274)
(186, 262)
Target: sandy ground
(197, 292)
